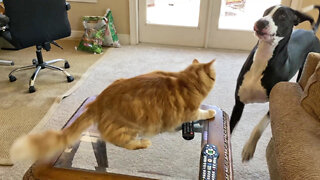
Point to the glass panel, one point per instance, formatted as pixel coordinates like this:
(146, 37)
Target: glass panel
(173, 12)
(241, 14)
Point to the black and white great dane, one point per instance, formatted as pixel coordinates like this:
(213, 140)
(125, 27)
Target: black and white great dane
(279, 54)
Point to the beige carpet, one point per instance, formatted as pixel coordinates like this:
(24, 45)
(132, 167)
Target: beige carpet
(20, 111)
(129, 61)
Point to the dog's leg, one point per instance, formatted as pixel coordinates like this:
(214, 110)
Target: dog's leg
(236, 114)
(250, 147)
(299, 74)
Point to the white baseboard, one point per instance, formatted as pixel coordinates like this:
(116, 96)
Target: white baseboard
(75, 35)
(123, 38)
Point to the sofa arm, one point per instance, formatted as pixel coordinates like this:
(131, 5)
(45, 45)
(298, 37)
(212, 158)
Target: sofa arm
(295, 133)
(271, 160)
(310, 65)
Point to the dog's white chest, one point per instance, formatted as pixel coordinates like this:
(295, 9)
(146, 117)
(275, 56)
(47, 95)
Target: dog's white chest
(251, 90)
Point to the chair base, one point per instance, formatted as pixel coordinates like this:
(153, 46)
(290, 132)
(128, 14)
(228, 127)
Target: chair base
(7, 63)
(39, 66)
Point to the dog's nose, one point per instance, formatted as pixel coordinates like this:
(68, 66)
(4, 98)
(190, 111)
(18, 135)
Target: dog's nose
(260, 25)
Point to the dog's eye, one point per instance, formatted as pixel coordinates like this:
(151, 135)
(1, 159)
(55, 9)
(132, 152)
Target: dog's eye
(282, 17)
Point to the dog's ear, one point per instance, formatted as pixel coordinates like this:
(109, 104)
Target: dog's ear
(300, 17)
(267, 11)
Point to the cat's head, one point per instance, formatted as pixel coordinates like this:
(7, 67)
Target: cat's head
(205, 71)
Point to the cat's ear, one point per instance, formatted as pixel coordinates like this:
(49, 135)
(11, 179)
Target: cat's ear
(212, 61)
(195, 61)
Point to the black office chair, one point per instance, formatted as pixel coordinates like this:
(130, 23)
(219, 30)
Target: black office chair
(37, 23)
(4, 20)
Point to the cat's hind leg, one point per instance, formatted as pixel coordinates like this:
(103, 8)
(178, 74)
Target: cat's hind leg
(123, 137)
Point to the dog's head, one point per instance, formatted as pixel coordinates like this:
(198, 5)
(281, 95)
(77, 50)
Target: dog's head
(277, 22)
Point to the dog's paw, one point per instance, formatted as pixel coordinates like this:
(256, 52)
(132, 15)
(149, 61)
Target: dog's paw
(248, 151)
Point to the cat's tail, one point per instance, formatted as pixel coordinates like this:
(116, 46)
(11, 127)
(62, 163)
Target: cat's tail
(43, 146)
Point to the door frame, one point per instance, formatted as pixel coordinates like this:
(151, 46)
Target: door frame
(227, 38)
(173, 34)
(134, 22)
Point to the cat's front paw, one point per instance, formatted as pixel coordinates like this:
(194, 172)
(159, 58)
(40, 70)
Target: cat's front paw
(145, 143)
(211, 113)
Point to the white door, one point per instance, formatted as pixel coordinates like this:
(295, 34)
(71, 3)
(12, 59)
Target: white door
(232, 21)
(176, 22)
(201, 23)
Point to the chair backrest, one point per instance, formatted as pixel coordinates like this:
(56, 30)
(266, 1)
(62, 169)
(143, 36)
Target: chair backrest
(34, 22)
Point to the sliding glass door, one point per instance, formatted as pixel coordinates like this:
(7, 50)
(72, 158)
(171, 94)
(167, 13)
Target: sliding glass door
(201, 23)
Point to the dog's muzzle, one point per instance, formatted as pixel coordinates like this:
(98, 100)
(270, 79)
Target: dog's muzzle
(261, 26)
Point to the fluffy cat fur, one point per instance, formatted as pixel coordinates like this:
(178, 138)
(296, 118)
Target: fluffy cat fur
(144, 105)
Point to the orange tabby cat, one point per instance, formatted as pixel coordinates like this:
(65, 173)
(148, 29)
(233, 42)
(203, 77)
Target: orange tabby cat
(144, 105)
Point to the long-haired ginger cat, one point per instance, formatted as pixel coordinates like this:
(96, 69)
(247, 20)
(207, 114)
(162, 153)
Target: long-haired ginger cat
(144, 105)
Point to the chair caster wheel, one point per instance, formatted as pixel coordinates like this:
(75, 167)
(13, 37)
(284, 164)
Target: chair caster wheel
(70, 78)
(32, 89)
(66, 65)
(12, 78)
(34, 61)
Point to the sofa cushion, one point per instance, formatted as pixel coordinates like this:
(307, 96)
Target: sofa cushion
(311, 95)
(311, 62)
(295, 134)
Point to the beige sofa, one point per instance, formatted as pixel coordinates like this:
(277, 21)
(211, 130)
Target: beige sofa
(294, 149)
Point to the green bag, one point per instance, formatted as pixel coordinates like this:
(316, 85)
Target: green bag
(93, 37)
(110, 37)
